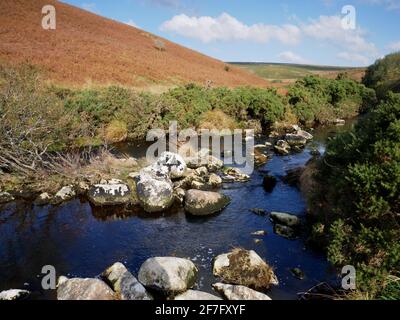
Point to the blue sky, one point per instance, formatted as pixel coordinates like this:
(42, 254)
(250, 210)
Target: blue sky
(309, 31)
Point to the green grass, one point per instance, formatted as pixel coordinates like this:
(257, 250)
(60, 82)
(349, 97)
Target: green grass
(278, 71)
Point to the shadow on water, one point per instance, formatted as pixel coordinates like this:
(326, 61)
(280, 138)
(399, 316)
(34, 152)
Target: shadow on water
(82, 241)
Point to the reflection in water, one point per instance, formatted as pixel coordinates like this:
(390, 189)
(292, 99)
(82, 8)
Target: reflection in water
(82, 241)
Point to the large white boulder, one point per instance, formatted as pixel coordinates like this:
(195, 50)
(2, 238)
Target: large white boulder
(169, 275)
(83, 289)
(125, 284)
(173, 164)
(154, 189)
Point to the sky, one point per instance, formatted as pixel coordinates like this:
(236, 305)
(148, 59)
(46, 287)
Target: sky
(322, 32)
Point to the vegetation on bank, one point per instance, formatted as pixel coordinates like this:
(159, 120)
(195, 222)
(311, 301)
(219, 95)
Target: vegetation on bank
(357, 202)
(39, 123)
(384, 75)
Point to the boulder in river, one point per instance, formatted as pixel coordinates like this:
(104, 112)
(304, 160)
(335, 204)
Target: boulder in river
(125, 284)
(285, 231)
(269, 183)
(110, 194)
(175, 165)
(295, 140)
(234, 175)
(282, 147)
(168, 275)
(13, 294)
(214, 180)
(306, 135)
(6, 197)
(154, 190)
(243, 267)
(203, 203)
(83, 289)
(287, 219)
(43, 199)
(66, 193)
(232, 292)
(193, 295)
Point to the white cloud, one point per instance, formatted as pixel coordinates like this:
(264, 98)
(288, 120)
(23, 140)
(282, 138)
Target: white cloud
(329, 29)
(291, 57)
(228, 28)
(354, 58)
(131, 23)
(394, 46)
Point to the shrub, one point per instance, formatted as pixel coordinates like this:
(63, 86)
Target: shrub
(360, 187)
(116, 131)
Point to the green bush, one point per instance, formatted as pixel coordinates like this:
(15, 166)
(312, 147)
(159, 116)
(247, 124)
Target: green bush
(384, 75)
(318, 100)
(360, 189)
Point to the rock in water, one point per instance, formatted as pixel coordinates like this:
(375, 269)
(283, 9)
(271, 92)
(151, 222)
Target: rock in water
(83, 289)
(269, 183)
(43, 199)
(202, 203)
(295, 140)
(285, 219)
(110, 194)
(193, 295)
(282, 147)
(154, 189)
(285, 231)
(174, 164)
(13, 294)
(168, 275)
(125, 284)
(6, 197)
(232, 292)
(65, 194)
(242, 267)
(214, 180)
(305, 134)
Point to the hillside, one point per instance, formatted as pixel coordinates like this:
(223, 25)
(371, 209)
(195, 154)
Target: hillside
(284, 73)
(89, 49)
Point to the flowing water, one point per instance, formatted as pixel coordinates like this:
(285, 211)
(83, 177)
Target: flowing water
(80, 241)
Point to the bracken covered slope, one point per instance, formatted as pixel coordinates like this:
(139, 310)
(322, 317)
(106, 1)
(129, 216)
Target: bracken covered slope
(86, 48)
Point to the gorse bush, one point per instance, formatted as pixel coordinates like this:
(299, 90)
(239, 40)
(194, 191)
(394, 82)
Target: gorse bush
(360, 189)
(384, 75)
(318, 100)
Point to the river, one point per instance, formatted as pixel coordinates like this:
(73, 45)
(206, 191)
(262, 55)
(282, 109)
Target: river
(81, 242)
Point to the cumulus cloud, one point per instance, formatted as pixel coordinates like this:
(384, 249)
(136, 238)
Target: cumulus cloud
(354, 58)
(227, 28)
(289, 56)
(329, 28)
